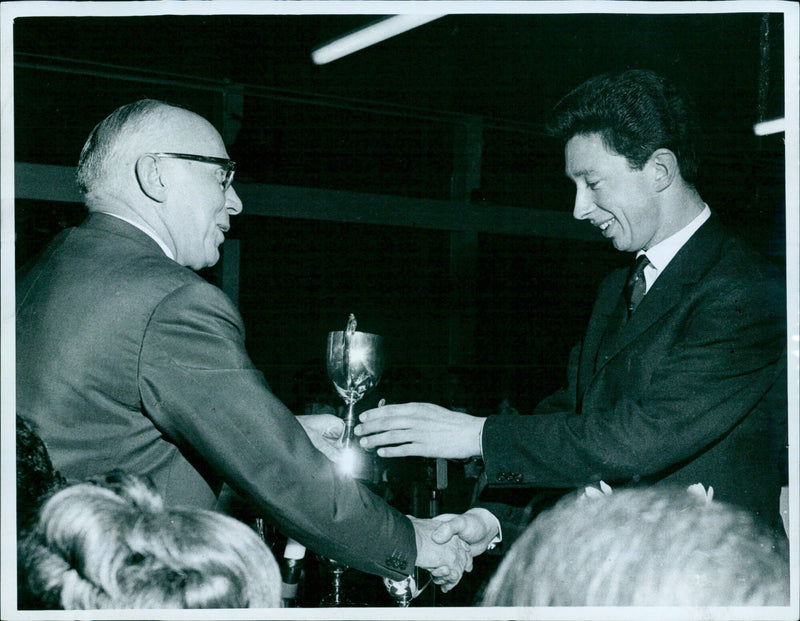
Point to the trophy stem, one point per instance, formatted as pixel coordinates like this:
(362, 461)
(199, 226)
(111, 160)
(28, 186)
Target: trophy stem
(349, 423)
(337, 596)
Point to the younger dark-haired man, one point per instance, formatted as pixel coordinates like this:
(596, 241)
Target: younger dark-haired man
(681, 375)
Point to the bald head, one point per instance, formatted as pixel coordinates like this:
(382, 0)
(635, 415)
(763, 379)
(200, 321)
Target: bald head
(166, 170)
(107, 161)
(111, 142)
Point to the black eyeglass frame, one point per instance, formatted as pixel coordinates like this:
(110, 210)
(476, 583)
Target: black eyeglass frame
(229, 166)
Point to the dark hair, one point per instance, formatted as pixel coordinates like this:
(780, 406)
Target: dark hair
(36, 477)
(636, 112)
(36, 480)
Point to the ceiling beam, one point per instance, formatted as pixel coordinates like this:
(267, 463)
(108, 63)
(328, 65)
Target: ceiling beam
(57, 183)
(62, 64)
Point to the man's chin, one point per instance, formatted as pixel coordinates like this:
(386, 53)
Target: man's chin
(620, 244)
(212, 255)
(209, 261)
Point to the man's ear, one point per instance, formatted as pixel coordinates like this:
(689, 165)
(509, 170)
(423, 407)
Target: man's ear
(149, 178)
(664, 168)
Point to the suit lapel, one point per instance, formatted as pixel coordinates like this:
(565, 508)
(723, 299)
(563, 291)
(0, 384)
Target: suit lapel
(688, 266)
(605, 317)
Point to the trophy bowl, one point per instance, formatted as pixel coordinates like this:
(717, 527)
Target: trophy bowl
(355, 363)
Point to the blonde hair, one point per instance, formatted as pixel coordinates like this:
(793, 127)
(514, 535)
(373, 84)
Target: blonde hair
(111, 543)
(654, 546)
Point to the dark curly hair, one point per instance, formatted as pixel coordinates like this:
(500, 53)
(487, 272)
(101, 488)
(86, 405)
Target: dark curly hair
(636, 112)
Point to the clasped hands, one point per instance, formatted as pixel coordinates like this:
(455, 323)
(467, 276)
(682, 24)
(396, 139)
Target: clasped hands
(447, 543)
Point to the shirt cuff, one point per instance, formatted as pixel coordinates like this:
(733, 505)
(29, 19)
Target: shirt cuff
(480, 439)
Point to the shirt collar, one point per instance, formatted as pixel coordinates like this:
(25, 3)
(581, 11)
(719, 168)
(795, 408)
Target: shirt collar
(663, 252)
(147, 230)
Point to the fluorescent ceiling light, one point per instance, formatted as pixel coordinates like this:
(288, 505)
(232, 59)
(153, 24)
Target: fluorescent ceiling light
(765, 128)
(369, 35)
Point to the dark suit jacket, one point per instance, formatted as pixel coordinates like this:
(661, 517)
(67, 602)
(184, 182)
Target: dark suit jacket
(125, 359)
(691, 390)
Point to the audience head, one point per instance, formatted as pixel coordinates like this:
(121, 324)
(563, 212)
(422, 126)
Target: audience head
(655, 546)
(635, 112)
(36, 476)
(111, 543)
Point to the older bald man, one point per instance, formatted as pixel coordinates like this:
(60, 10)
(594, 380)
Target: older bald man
(127, 359)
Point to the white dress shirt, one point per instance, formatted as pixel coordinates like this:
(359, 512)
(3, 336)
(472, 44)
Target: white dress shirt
(147, 230)
(664, 251)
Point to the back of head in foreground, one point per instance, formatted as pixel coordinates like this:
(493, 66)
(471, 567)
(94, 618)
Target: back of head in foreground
(643, 547)
(110, 543)
(36, 477)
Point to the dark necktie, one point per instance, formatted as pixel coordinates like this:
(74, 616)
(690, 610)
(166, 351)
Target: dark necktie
(635, 287)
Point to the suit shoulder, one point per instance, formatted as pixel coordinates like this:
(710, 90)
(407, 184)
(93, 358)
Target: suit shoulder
(188, 290)
(740, 260)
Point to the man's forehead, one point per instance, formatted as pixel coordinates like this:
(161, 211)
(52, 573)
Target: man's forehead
(586, 142)
(584, 153)
(578, 160)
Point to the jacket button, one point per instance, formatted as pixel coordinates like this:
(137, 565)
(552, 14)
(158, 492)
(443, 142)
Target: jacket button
(518, 478)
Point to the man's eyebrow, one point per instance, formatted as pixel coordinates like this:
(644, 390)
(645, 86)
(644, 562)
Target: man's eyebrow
(578, 173)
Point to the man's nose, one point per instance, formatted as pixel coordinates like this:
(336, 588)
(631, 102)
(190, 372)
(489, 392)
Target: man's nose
(583, 205)
(233, 204)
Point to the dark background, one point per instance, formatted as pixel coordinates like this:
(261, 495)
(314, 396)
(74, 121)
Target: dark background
(381, 121)
(384, 121)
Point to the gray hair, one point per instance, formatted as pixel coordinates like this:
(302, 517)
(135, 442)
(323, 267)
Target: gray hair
(109, 140)
(111, 543)
(654, 546)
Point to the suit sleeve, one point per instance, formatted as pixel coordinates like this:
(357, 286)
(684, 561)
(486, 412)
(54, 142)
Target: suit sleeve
(676, 390)
(563, 400)
(200, 388)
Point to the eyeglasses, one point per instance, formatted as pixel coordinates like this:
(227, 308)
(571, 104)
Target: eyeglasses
(228, 166)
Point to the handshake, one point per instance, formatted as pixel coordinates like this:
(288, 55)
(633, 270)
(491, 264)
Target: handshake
(447, 543)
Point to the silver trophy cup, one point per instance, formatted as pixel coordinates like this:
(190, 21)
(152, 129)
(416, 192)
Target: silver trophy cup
(355, 363)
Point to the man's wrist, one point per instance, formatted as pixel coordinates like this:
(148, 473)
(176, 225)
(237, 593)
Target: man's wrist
(491, 523)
